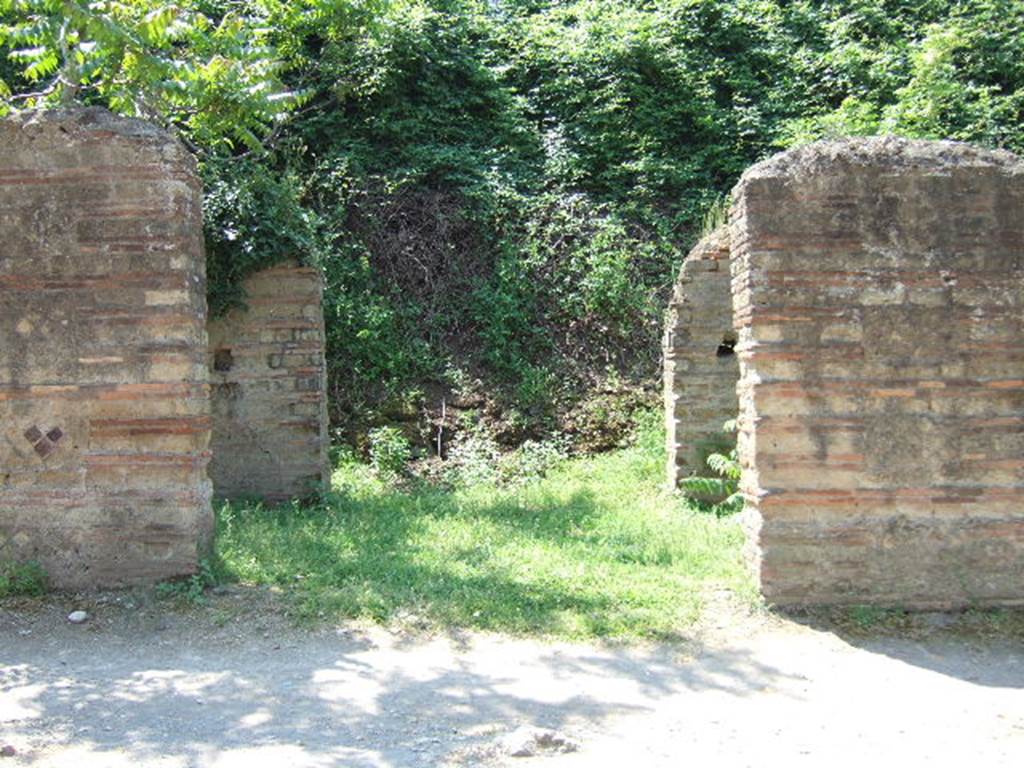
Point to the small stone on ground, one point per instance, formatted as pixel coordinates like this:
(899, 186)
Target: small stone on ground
(528, 741)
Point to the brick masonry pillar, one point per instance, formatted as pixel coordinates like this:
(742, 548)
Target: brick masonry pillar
(879, 297)
(269, 388)
(104, 406)
(701, 368)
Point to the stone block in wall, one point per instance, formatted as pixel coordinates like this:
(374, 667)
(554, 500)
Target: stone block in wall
(104, 407)
(880, 309)
(269, 391)
(700, 367)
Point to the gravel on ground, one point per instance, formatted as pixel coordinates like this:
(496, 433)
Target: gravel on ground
(237, 683)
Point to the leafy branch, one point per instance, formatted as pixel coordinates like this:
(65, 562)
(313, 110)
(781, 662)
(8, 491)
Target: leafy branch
(723, 489)
(215, 78)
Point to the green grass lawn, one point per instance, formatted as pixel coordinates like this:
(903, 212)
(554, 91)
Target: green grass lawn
(594, 549)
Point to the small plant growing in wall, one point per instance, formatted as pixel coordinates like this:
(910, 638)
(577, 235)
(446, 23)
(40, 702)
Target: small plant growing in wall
(723, 488)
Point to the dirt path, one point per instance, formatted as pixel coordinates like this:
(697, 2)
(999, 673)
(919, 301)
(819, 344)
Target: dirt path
(141, 686)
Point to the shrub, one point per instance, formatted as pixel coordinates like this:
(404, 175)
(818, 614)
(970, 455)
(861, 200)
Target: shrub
(474, 457)
(533, 460)
(607, 419)
(389, 452)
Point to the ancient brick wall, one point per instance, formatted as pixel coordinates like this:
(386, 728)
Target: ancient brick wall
(879, 298)
(104, 408)
(701, 369)
(267, 373)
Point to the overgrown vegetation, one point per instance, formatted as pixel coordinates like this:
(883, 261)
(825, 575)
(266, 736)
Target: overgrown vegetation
(591, 549)
(500, 192)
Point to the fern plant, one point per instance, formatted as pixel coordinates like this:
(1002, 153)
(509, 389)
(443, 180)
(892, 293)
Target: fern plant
(724, 488)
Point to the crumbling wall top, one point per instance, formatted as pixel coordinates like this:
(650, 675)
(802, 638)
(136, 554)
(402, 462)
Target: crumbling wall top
(891, 152)
(713, 246)
(90, 124)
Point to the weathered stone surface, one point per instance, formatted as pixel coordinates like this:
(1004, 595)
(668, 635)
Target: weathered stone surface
(701, 369)
(104, 407)
(879, 299)
(268, 381)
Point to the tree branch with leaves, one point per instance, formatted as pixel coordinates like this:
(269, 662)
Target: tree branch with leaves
(207, 70)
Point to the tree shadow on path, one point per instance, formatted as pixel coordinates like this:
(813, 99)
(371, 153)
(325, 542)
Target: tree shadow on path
(352, 698)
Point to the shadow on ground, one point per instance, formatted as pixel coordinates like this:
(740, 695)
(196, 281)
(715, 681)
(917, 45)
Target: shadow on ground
(134, 695)
(984, 647)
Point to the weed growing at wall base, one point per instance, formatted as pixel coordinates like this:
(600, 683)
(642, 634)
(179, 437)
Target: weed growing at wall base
(21, 579)
(189, 590)
(593, 549)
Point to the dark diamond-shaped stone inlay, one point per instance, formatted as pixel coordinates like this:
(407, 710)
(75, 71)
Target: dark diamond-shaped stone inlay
(55, 434)
(44, 448)
(33, 435)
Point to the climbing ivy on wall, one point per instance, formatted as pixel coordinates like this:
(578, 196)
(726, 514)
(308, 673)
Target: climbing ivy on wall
(503, 190)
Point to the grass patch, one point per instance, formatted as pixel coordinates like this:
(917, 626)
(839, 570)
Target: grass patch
(22, 579)
(595, 549)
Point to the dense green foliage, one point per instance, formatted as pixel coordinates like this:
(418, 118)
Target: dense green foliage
(209, 72)
(501, 190)
(594, 549)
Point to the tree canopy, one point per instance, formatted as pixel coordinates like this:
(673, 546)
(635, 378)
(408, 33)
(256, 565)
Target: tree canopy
(209, 70)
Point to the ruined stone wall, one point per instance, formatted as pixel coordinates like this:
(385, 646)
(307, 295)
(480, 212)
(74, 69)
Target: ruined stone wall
(879, 297)
(268, 381)
(701, 369)
(104, 409)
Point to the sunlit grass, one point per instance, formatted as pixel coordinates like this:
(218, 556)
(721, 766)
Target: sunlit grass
(596, 548)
